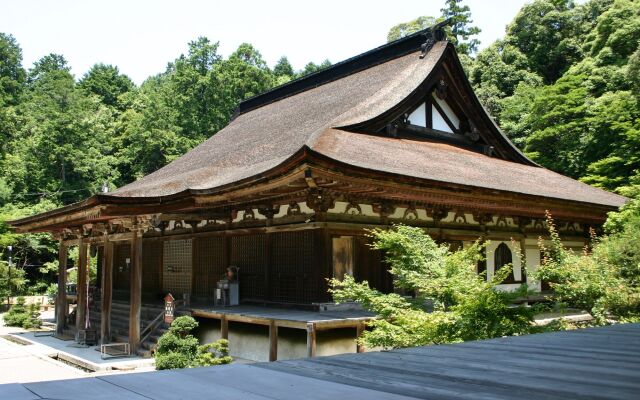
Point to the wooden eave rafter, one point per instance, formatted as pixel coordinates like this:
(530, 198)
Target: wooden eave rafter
(287, 181)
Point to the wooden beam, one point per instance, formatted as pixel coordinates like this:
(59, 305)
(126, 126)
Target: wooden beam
(62, 309)
(107, 292)
(311, 339)
(359, 330)
(135, 291)
(81, 307)
(273, 341)
(224, 328)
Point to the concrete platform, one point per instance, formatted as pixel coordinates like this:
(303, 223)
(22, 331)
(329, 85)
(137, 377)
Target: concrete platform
(86, 357)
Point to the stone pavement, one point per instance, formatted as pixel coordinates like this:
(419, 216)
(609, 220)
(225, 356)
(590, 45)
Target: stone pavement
(20, 364)
(33, 362)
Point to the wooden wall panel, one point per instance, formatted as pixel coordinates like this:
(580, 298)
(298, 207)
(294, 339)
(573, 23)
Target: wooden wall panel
(248, 253)
(208, 265)
(370, 266)
(151, 269)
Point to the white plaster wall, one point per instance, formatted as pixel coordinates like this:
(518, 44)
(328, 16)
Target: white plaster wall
(251, 342)
(532, 255)
(304, 209)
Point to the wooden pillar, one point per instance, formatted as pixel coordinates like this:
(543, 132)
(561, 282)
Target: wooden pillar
(81, 308)
(359, 330)
(224, 328)
(311, 339)
(107, 291)
(273, 341)
(267, 268)
(62, 308)
(135, 290)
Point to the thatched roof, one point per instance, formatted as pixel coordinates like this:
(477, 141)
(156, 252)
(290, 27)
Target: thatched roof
(275, 126)
(339, 114)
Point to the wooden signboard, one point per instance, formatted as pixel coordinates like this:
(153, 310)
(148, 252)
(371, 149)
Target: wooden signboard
(169, 307)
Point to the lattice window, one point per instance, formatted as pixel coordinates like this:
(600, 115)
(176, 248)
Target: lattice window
(177, 267)
(151, 265)
(293, 278)
(208, 265)
(248, 253)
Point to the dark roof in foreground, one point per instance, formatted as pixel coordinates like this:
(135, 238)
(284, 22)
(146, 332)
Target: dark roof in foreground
(595, 363)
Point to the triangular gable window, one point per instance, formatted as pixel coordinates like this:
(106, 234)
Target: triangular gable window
(419, 116)
(438, 122)
(444, 106)
(435, 114)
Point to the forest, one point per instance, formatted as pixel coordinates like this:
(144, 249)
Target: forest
(563, 83)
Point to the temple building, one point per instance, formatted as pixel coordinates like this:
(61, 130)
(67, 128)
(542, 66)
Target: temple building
(285, 192)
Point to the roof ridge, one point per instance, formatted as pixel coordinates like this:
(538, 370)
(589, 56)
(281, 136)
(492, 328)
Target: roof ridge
(386, 52)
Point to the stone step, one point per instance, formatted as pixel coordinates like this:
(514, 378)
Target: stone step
(144, 353)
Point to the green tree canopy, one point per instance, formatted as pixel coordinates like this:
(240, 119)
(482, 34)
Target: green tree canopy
(106, 82)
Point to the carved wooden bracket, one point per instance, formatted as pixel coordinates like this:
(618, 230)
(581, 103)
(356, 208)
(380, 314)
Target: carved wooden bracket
(438, 213)
(269, 210)
(294, 209)
(319, 200)
(522, 222)
(482, 217)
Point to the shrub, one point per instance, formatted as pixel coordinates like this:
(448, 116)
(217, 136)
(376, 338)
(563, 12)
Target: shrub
(600, 281)
(17, 314)
(465, 305)
(27, 317)
(32, 321)
(178, 348)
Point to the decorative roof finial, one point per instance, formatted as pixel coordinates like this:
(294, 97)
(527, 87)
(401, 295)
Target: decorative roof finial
(434, 34)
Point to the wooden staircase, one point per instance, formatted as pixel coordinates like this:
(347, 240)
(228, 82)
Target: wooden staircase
(120, 324)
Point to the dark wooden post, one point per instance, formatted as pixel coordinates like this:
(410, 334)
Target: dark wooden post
(359, 330)
(62, 308)
(224, 328)
(311, 339)
(273, 341)
(107, 291)
(135, 289)
(81, 308)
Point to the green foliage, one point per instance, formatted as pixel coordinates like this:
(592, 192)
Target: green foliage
(19, 314)
(106, 82)
(32, 321)
(312, 67)
(496, 73)
(283, 68)
(451, 302)
(604, 281)
(178, 348)
(407, 28)
(460, 31)
(12, 280)
(547, 32)
(563, 84)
